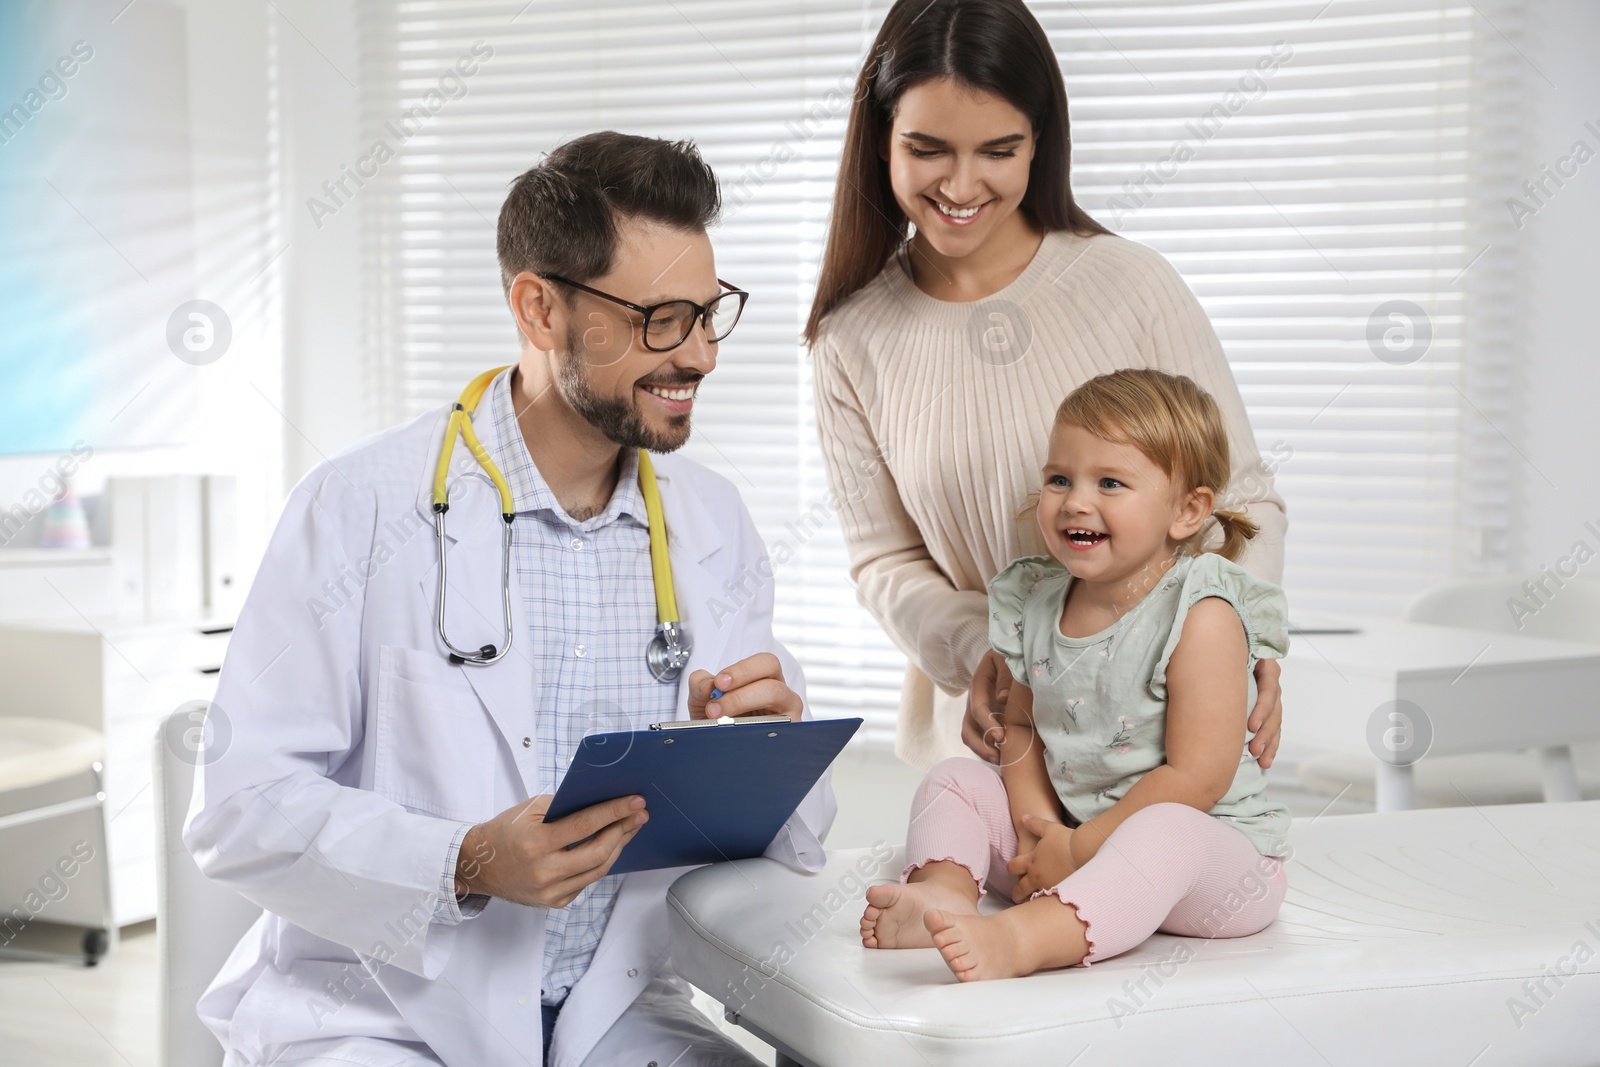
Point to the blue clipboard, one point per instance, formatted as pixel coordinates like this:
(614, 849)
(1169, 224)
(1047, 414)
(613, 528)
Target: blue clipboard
(715, 792)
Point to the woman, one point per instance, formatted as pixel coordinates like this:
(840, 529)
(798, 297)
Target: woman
(939, 360)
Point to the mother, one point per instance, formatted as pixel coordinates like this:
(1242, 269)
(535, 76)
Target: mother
(940, 359)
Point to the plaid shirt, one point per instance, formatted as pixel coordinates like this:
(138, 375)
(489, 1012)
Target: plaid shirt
(589, 596)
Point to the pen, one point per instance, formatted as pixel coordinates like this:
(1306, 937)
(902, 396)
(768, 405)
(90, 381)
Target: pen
(716, 694)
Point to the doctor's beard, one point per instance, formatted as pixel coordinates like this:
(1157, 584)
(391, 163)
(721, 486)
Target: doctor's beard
(618, 418)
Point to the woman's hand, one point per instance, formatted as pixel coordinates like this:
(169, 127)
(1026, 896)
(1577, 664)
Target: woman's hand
(1266, 718)
(982, 729)
(753, 686)
(1047, 863)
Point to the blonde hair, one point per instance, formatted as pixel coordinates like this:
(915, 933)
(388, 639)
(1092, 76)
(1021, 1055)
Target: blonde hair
(1178, 427)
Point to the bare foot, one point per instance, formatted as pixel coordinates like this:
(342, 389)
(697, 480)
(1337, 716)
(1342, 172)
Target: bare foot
(1030, 937)
(894, 915)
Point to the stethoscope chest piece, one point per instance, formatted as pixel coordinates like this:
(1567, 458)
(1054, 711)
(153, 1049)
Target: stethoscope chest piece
(668, 651)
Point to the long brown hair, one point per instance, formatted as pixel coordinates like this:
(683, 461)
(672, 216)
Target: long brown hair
(993, 45)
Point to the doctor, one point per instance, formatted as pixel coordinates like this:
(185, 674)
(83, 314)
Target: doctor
(382, 802)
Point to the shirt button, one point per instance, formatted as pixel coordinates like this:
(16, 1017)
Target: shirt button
(580, 651)
(633, 972)
(577, 545)
(527, 742)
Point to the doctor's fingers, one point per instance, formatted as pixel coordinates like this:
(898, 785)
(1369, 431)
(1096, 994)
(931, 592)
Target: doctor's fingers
(700, 686)
(593, 819)
(533, 806)
(767, 696)
(567, 871)
(748, 670)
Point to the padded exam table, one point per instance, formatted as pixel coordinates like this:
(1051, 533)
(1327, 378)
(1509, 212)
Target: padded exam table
(1452, 936)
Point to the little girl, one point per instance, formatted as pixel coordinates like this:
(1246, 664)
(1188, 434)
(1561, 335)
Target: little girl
(1127, 801)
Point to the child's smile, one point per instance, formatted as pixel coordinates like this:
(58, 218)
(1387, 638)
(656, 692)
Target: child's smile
(1082, 539)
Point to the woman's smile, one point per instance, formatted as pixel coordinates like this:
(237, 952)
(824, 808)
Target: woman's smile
(958, 216)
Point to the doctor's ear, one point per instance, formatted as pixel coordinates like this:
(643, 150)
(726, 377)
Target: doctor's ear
(539, 309)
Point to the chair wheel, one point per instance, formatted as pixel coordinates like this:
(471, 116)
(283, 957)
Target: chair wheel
(95, 944)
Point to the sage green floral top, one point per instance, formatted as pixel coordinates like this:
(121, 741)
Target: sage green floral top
(1100, 702)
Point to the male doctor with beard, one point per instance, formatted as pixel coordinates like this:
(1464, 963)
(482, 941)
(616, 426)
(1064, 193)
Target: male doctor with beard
(382, 801)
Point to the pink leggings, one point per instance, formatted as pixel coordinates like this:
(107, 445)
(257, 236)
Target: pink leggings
(1168, 867)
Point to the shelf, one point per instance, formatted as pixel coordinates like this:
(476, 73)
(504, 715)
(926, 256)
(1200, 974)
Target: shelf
(47, 557)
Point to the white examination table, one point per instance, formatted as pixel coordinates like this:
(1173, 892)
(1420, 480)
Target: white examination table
(1455, 936)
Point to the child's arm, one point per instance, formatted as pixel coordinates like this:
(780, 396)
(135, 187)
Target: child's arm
(1206, 693)
(1022, 767)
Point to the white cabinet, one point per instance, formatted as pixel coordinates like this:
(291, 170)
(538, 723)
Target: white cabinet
(121, 678)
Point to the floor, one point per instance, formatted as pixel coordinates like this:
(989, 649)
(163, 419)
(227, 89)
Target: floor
(56, 1013)
(66, 1013)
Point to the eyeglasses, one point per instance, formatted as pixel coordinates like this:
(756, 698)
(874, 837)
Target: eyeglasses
(667, 324)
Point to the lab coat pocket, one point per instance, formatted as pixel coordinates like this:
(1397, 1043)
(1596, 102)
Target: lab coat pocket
(436, 743)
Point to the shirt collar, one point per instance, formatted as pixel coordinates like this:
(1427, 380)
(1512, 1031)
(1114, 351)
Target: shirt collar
(530, 493)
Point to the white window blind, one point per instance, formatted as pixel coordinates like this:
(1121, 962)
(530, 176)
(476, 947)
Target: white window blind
(1364, 171)
(1312, 169)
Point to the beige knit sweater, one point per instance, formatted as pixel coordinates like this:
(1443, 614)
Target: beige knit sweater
(935, 417)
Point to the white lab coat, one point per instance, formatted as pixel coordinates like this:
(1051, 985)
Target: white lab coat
(354, 750)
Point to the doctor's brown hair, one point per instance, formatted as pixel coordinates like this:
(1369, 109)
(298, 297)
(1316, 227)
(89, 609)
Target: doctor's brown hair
(1178, 427)
(561, 216)
(993, 45)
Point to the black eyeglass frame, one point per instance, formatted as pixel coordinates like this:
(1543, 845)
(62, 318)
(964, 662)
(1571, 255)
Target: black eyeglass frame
(702, 312)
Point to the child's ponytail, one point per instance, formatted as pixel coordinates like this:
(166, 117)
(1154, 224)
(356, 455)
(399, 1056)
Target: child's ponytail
(1236, 530)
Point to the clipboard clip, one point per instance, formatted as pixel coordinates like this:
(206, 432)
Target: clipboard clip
(726, 720)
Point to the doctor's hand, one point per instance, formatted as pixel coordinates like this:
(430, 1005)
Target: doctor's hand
(520, 857)
(753, 686)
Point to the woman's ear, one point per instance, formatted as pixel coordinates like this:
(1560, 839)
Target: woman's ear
(1193, 511)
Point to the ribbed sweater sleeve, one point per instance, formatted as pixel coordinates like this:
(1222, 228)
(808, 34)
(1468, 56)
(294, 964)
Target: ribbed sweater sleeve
(941, 629)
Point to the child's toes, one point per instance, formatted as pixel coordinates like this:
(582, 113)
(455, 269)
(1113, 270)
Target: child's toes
(959, 958)
(954, 944)
(945, 929)
(884, 895)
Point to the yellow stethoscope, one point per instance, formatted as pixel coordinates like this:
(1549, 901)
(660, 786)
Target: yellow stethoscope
(668, 651)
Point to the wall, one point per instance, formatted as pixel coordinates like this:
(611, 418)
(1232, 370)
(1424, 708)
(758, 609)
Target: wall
(324, 384)
(1558, 257)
